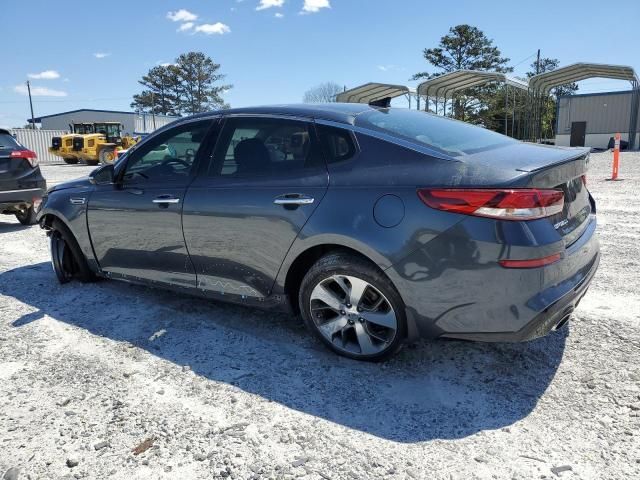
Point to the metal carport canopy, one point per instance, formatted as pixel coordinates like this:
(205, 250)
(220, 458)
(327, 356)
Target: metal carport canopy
(544, 82)
(371, 92)
(461, 79)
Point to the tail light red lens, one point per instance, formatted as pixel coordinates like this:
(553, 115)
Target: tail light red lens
(28, 155)
(531, 263)
(511, 204)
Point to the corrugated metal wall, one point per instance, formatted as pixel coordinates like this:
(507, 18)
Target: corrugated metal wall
(144, 123)
(39, 141)
(604, 113)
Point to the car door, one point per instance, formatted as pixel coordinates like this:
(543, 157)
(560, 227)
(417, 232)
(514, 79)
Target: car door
(135, 224)
(240, 217)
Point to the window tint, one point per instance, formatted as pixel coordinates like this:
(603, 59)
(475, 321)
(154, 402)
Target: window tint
(337, 143)
(168, 156)
(448, 136)
(264, 146)
(8, 141)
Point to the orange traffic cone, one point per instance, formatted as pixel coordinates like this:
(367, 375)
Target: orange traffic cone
(616, 158)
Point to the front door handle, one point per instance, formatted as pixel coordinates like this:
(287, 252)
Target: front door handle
(165, 199)
(294, 199)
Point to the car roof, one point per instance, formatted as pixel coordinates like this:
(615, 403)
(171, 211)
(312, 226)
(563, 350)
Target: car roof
(336, 112)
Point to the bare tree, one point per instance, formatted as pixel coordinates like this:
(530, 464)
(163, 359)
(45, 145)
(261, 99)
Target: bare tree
(323, 93)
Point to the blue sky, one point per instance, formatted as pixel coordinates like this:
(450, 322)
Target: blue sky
(90, 54)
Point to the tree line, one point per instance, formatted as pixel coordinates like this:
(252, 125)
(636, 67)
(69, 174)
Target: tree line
(191, 84)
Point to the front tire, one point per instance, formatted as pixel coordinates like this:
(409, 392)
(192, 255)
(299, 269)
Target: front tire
(27, 217)
(67, 259)
(353, 308)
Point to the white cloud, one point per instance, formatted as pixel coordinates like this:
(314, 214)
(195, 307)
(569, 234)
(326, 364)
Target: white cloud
(279, 15)
(186, 26)
(39, 91)
(101, 55)
(314, 6)
(390, 68)
(182, 15)
(46, 75)
(166, 64)
(213, 28)
(269, 4)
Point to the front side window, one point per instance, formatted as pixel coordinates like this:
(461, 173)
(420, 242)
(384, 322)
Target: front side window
(445, 135)
(168, 156)
(264, 147)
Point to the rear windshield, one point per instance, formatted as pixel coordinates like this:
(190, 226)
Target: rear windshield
(7, 141)
(444, 134)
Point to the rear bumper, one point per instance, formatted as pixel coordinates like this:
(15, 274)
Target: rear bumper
(454, 287)
(554, 316)
(20, 196)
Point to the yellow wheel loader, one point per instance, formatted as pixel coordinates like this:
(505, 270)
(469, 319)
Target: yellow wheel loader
(97, 144)
(63, 146)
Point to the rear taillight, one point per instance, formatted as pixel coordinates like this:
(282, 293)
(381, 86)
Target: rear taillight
(511, 204)
(28, 155)
(532, 262)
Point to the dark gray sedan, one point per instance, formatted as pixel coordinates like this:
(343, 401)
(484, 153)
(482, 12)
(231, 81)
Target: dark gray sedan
(376, 225)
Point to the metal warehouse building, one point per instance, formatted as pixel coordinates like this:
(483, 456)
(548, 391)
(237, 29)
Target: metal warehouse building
(134, 123)
(592, 119)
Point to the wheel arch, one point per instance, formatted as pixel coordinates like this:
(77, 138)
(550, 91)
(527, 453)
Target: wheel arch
(77, 228)
(300, 263)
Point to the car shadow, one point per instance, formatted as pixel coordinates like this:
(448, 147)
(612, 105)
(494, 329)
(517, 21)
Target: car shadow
(435, 390)
(6, 227)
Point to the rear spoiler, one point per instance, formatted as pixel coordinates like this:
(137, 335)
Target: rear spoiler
(382, 103)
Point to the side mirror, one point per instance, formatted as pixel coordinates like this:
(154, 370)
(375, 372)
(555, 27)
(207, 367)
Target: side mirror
(103, 175)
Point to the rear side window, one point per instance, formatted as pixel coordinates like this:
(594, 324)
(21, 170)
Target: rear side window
(445, 135)
(337, 143)
(250, 147)
(7, 141)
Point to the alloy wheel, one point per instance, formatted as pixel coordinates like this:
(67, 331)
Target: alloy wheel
(353, 315)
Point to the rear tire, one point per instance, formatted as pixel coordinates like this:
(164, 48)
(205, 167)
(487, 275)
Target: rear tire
(67, 259)
(353, 308)
(70, 161)
(28, 217)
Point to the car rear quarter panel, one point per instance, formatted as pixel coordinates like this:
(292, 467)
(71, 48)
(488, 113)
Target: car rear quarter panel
(445, 266)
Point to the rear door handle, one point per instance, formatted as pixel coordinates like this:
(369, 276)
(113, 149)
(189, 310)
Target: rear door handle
(294, 199)
(165, 199)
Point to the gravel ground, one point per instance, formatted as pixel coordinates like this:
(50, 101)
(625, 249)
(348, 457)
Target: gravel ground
(116, 381)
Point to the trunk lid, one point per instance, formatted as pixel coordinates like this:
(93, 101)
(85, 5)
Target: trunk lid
(546, 167)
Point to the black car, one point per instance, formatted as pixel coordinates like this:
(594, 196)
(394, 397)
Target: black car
(377, 225)
(21, 183)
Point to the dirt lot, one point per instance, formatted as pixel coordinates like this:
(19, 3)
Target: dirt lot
(89, 372)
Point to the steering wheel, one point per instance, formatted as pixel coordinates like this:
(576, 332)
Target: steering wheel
(169, 161)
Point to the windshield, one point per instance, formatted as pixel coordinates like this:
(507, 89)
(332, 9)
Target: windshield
(446, 135)
(82, 128)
